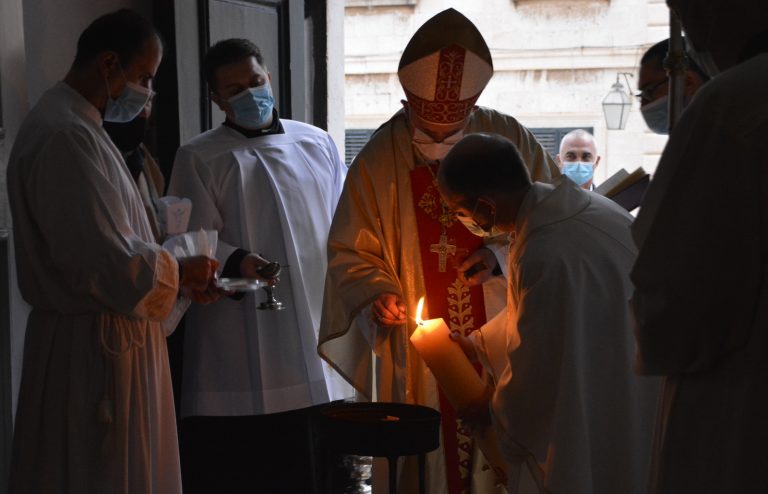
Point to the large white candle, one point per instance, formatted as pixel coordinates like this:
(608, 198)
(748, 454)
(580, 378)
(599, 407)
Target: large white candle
(457, 378)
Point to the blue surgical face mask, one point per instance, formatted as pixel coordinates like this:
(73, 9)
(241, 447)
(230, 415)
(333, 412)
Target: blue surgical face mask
(252, 108)
(129, 104)
(656, 115)
(578, 171)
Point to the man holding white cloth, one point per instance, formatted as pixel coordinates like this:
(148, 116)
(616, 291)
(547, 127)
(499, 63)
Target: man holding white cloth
(95, 411)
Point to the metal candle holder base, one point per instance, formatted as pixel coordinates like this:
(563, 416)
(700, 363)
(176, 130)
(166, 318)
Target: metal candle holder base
(271, 303)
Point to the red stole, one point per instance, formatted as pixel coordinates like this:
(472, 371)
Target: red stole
(462, 307)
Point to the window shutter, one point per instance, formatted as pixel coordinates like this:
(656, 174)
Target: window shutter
(354, 140)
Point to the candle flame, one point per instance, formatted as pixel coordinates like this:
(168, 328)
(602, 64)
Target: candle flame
(419, 308)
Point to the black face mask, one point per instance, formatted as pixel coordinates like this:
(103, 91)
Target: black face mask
(127, 136)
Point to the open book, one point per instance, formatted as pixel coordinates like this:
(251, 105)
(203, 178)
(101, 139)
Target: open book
(624, 188)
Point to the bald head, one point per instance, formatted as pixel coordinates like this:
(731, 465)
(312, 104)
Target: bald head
(581, 139)
(578, 157)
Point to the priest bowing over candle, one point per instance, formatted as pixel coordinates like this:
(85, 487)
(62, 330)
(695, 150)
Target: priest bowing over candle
(570, 415)
(392, 241)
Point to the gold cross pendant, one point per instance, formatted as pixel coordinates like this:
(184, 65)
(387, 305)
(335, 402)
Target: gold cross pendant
(443, 250)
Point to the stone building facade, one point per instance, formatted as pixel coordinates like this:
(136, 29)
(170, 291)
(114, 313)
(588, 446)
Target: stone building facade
(554, 62)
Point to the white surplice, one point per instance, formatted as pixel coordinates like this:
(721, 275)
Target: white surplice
(701, 296)
(274, 195)
(566, 396)
(96, 411)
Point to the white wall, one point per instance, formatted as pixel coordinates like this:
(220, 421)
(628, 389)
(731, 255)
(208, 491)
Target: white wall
(335, 48)
(56, 25)
(554, 62)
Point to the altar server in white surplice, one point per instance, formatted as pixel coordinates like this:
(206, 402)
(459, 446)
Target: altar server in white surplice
(95, 412)
(269, 186)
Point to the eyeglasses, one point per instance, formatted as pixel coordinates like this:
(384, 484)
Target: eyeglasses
(647, 93)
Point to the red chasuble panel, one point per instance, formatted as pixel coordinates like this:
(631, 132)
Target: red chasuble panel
(444, 243)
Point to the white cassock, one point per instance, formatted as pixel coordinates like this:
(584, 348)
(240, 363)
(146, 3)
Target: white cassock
(567, 402)
(96, 411)
(274, 195)
(701, 296)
